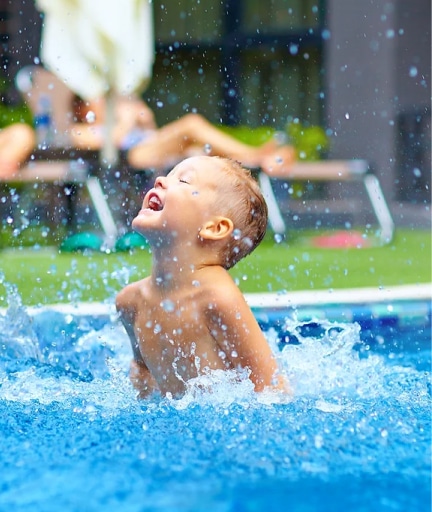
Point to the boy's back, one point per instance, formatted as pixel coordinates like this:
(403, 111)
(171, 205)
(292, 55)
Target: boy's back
(186, 331)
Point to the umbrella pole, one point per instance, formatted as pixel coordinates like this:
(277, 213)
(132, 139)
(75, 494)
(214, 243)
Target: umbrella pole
(109, 154)
(109, 158)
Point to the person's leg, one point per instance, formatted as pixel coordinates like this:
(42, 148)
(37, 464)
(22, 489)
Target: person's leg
(192, 132)
(17, 141)
(87, 136)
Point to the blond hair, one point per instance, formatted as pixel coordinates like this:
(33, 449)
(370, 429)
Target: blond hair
(241, 200)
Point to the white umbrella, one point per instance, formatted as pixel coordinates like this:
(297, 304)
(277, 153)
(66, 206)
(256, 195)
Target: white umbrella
(99, 48)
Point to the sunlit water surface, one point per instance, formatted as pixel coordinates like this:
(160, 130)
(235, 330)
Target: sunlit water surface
(356, 435)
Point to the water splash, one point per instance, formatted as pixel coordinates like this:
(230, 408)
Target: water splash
(353, 416)
(17, 339)
(328, 363)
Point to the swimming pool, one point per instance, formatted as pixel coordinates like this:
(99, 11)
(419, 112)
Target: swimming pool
(355, 437)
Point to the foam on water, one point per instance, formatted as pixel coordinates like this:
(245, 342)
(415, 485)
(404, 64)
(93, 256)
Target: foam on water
(50, 357)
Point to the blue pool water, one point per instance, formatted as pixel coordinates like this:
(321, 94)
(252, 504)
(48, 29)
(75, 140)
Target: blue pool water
(355, 437)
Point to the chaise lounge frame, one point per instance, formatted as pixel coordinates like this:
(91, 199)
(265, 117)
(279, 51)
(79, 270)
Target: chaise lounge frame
(332, 171)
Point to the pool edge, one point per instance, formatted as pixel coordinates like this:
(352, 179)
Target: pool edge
(279, 300)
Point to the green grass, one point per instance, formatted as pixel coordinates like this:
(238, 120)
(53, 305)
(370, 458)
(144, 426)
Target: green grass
(44, 276)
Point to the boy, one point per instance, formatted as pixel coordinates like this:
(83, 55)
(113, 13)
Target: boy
(188, 316)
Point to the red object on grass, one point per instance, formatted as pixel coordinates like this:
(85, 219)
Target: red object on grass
(341, 239)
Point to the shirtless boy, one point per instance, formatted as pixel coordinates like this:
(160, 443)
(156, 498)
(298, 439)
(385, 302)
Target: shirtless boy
(188, 316)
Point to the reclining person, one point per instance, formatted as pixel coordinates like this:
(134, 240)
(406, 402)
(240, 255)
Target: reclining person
(151, 147)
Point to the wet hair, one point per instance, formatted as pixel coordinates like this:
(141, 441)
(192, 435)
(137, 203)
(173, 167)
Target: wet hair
(241, 200)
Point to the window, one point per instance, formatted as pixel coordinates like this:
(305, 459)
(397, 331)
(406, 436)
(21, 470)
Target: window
(239, 61)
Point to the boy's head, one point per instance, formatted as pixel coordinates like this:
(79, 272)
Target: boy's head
(240, 199)
(213, 196)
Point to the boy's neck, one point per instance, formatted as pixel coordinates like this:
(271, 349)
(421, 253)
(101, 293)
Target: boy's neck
(176, 269)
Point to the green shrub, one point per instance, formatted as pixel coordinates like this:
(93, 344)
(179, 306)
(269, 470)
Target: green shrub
(9, 114)
(311, 142)
(248, 135)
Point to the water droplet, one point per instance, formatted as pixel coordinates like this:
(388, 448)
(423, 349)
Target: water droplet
(168, 306)
(413, 71)
(207, 149)
(247, 241)
(417, 173)
(90, 116)
(159, 104)
(237, 234)
(347, 116)
(318, 441)
(157, 329)
(278, 238)
(390, 34)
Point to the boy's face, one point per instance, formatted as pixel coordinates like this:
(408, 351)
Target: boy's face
(182, 201)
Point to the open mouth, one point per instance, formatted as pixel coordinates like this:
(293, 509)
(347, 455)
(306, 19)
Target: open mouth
(154, 203)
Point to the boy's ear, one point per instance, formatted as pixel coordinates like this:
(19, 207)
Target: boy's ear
(217, 228)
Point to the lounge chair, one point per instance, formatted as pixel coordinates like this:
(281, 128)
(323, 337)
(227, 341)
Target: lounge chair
(331, 171)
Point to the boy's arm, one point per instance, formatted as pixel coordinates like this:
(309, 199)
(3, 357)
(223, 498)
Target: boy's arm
(241, 338)
(140, 376)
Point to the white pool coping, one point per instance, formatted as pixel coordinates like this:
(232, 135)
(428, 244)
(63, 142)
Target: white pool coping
(347, 296)
(280, 300)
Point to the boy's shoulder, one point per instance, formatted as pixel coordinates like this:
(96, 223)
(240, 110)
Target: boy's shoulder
(221, 290)
(130, 293)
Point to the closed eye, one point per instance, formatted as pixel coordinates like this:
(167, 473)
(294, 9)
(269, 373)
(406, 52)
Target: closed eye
(183, 181)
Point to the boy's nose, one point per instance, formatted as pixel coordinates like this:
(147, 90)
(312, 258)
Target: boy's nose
(160, 182)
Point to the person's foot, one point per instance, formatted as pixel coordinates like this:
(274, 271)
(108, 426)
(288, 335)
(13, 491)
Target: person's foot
(278, 163)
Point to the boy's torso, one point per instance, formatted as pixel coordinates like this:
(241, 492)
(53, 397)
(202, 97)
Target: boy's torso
(174, 334)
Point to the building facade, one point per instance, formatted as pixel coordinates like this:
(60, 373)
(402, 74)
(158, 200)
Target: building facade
(359, 69)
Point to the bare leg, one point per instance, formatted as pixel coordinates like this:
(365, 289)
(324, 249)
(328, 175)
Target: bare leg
(87, 136)
(16, 143)
(178, 139)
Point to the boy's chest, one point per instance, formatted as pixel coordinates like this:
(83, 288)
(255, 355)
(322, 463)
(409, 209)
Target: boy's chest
(171, 326)
(174, 334)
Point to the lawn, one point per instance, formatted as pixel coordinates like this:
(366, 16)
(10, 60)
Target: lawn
(44, 276)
